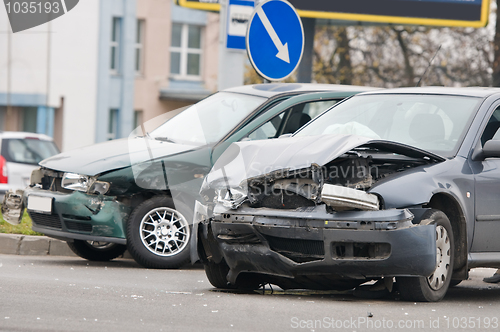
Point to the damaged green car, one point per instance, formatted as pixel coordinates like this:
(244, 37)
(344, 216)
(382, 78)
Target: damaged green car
(139, 193)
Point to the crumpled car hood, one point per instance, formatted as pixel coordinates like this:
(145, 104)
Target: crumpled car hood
(98, 158)
(247, 160)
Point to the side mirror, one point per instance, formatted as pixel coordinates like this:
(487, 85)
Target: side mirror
(491, 149)
(285, 135)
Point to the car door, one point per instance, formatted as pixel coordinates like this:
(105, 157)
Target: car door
(487, 192)
(285, 117)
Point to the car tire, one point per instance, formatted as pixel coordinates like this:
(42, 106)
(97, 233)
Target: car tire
(97, 251)
(434, 287)
(158, 234)
(217, 274)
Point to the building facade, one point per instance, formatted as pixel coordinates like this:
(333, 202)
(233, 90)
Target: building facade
(97, 72)
(178, 61)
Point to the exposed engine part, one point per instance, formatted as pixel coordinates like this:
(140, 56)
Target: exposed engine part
(344, 198)
(353, 171)
(288, 193)
(346, 179)
(303, 187)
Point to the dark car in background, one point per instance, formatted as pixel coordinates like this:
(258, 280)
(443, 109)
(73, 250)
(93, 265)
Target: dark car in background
(139, 193)
(398, 184)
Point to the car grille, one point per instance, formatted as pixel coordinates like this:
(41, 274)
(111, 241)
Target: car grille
(78, 226)
(46, 220)
(298, 250)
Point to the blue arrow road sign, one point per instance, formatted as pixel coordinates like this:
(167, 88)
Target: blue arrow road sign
(275, 39)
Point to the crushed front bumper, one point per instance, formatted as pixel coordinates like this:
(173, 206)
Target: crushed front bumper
(80, 216)
(310, 241)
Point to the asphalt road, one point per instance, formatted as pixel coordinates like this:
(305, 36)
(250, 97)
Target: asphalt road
(43, 293)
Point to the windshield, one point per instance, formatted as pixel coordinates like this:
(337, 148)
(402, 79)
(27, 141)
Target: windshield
(435, 123)
(28, 151)
(209, 120)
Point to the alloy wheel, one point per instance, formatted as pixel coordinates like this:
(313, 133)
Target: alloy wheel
(164, 231)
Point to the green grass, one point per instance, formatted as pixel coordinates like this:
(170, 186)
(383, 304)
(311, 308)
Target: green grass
(24, 226)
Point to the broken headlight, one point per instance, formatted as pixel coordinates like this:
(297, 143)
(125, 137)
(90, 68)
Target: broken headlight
(99, 187)
(73, 181)
(84, 183)
(230, 198)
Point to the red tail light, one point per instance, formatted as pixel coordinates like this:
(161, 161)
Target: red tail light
(4, 178)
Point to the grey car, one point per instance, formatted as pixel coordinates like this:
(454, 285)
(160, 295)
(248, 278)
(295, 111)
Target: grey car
(400, 186)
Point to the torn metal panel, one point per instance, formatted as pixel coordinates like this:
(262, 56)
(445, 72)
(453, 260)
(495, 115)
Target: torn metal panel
(294, 174)
(249, 160)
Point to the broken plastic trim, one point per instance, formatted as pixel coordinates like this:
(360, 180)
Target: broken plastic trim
(13, 207)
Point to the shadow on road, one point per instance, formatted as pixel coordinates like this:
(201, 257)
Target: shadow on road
(459, 294)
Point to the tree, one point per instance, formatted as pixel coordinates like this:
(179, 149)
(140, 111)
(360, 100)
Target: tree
(332, 56)
(496, 52)
(393, 56)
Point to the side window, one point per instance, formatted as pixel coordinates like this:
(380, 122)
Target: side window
(491, 130)
(268, 130)
(291, 120)
(315, 108)
(303, 113)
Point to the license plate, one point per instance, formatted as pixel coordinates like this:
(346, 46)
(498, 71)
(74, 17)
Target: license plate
(40, 204)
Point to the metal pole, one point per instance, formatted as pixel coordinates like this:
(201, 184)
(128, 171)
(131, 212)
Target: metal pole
(9, 110)
(304, 72)
(231, 69)
(47, 91)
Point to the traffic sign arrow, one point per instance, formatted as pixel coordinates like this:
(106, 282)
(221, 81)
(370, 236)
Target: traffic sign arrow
(282, 49)
(275, 25)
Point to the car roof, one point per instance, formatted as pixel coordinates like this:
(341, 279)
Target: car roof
(440, 90)
(22, 134)
(273, 89)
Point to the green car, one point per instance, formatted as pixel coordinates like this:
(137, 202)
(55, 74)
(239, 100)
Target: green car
(139, 193)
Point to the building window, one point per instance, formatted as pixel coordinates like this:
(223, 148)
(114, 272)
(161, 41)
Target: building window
(137, 118)
(139, 47)
(115, 44)
(113, 124)
(186, 51)
(29, 119)
(3, 111)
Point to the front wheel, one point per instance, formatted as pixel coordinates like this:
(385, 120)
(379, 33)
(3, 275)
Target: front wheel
(97, 251)
(158, 234)
(217, 273)
(433, 288)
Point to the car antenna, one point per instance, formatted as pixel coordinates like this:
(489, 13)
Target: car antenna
(430, 63)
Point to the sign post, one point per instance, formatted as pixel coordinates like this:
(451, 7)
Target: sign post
(275, 40)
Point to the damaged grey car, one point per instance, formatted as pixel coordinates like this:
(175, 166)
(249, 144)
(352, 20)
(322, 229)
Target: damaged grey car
(397, 186)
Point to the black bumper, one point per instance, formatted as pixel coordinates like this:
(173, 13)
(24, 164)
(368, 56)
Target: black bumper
(356, 244)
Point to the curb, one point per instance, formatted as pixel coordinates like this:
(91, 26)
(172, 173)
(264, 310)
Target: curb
(16, 244)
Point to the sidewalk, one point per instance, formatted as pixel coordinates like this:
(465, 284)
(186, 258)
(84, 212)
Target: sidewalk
(15, 244)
